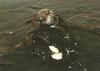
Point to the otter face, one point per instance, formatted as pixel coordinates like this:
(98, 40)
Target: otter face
(47, 17)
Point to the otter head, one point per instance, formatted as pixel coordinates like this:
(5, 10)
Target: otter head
(47, 17)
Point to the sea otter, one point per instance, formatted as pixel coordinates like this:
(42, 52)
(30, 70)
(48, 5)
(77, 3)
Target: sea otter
(50, 40)
(51, 34)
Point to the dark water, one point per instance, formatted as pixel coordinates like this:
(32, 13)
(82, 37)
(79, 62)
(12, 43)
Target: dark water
(14, 13)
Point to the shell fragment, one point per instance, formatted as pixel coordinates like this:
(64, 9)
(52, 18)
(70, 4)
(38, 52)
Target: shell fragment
(54, 49)
(57, 56)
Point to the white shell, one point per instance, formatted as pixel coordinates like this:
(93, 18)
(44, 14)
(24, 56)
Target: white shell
(57, 56)
(54, 49)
